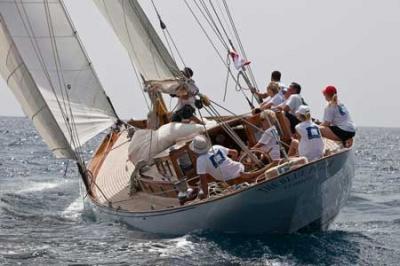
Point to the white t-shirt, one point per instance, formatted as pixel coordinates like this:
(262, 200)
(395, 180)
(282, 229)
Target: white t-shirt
(311, 144)
(338, 116)
(269, 140)
(193, 90)
(277, 99)
(217, 164)
(294, 101)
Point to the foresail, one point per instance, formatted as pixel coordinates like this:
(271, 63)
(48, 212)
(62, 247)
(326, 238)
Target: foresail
(46, 67)
(25, 90)
(136, 33)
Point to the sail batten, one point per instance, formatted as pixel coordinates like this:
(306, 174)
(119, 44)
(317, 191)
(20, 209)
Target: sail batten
(47, 68)
(134, 30)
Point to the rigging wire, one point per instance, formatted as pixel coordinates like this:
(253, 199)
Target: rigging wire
(229, 14)
(244, 120)
(29, 29)
(63, 86)
(130, 55)
(167, 35)
(227, 25)
(228, 129)
(220, 22)
(225, 63)
(209, 139)
(204, 31)
(212, 23)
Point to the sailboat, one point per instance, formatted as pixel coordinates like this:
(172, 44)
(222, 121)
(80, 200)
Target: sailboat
(143, 173)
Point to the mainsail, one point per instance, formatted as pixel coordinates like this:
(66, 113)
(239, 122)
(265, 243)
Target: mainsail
(151, 58)
(47, 69)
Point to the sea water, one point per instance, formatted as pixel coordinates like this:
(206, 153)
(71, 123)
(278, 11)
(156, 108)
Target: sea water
(43, 222)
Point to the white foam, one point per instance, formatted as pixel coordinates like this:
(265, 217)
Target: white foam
(177, 246)
(74, 210)
(168, 248)
(35, 187)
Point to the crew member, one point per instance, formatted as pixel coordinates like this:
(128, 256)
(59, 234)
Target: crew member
(337, 124)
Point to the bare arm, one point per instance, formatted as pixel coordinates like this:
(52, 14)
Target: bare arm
(233, 154)
(325, 124)
(262, 95)
(266, 106)
(257, 146)
(283, 107)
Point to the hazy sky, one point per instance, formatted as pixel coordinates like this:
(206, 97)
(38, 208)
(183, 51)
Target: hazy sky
(351, 44)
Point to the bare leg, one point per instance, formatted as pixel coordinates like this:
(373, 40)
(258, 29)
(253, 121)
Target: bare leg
(349, 143)
(287, 122)
(204, 179)
(293, 149)
(327, 133)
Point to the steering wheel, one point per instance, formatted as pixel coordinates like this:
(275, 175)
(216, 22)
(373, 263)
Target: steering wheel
(249, 164)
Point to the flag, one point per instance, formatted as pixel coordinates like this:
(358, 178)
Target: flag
(238, 61)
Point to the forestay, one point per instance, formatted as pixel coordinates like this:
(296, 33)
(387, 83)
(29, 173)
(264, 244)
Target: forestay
(136, 33)
(44, 64)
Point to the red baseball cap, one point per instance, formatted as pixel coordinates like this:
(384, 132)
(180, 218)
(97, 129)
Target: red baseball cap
(329, 90)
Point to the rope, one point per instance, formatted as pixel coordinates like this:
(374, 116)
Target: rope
(204, 31)
(215, 29)
(211, 24)
(130, 56)
(166, 33)
(228, 62)
(239, 40)
(209, 138)
(220, 22)
(29, 29)
(63, 86)
(213, 112)
(244, 120)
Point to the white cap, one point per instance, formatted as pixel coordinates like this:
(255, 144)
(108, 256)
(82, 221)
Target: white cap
(199, 145)
(303, 110)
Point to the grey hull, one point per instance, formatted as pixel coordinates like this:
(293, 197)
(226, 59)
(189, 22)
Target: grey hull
(311, 195)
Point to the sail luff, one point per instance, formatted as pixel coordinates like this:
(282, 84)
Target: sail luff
(86, 54)
(135, 31)
(159, 45)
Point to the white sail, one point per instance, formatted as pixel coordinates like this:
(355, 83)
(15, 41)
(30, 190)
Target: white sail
(46, 67)
(136, 33)
(25, 90)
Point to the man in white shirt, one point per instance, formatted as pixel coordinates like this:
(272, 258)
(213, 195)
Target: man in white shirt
(291, 105)
(309, 143)
(218, 162)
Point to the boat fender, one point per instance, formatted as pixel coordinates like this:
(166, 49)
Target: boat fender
(293, 163)
(277, 170)
(297, 162)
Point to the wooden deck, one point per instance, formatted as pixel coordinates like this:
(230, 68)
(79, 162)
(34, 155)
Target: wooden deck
(112, 181)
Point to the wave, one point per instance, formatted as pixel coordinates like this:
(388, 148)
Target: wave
(74, 210)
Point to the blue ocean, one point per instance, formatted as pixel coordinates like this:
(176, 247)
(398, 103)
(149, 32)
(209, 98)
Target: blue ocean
(43, 222)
